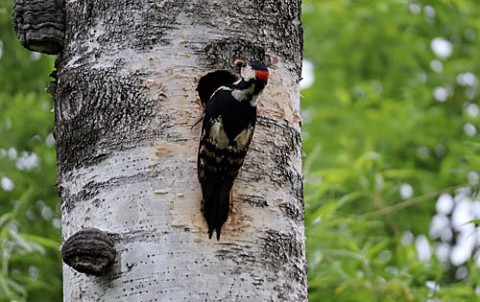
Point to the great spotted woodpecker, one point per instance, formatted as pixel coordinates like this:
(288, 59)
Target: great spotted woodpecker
(227, 131)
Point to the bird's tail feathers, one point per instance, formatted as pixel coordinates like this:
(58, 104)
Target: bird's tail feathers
(216, 209)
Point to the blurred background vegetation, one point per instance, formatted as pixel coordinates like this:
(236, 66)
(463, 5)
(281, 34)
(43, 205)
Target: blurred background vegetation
(30, 263)
(391, 119)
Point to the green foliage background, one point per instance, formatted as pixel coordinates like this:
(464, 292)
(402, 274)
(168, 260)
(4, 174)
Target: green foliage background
(371, 127)
(30, 264)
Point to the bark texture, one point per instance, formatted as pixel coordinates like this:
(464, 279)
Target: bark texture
(126, 149)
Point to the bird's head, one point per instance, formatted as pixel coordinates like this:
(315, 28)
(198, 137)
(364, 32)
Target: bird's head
(253, 70)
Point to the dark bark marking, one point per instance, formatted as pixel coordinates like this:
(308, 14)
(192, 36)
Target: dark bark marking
(137, 25)
(273, 28)
(253, 200)
(280, 248)
(92, 189)
(222, 53)
(285, 151)
(284, 29)
(276, 23)
(293, 210)
(283, 176)
(281, 245)
(69, 200)
(236, 253)
(123, 116)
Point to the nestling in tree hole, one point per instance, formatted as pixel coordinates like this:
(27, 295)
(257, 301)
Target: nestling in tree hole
(227, 130)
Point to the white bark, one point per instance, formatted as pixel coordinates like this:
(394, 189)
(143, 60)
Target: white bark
(125, 105)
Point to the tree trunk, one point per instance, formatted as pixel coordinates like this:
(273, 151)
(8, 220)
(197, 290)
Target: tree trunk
(126, 102)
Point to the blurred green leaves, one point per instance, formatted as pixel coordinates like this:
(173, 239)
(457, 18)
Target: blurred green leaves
(30, 264)
(382, 144)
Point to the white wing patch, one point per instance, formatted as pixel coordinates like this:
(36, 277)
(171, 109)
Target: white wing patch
(244, 137)
(219, 137)
(218, 134)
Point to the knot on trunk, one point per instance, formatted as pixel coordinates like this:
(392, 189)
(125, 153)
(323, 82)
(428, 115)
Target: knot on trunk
(40, 24)
(90, 251)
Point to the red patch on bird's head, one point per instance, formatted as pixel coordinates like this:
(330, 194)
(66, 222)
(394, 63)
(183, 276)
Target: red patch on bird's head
(261, 75)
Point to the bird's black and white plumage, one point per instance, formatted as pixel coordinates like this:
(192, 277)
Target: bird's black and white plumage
(228, 125)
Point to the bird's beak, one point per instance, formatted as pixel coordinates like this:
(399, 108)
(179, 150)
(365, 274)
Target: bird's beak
(240, 63)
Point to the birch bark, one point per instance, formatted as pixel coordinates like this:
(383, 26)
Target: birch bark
(125, 104)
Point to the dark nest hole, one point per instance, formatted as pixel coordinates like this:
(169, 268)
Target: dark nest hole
(212, 81)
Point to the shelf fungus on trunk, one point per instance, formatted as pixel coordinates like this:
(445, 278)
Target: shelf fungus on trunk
(90, 251)
(40, 24)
